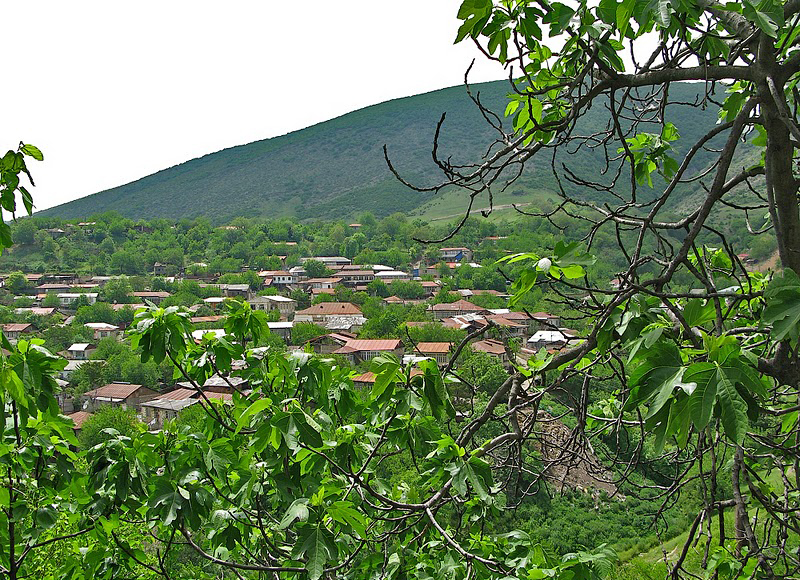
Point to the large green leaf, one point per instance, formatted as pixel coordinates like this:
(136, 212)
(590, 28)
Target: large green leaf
(782, 296)
(297, 511)
(704, 396)
(318, 548)
(660, 369)
(733, 408)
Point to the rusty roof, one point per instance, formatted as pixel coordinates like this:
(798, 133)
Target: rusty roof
(16, 327)
(179, 394)
(489, 346)
(367, 345)
(79, 418)
(332, 309)
(462, 305)
(114, 391)
(434, 347)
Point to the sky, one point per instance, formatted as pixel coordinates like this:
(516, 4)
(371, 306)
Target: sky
(114, 91)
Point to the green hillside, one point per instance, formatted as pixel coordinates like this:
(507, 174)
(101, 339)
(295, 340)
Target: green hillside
(336, 168)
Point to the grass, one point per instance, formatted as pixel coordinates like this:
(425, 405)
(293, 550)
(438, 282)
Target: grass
(451, 205)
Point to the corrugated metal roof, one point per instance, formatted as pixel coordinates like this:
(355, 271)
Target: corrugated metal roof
(434, 347)
(114, 391)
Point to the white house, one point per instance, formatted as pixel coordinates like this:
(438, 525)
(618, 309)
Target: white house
(67, 298)
(80, 351)
(104, 330)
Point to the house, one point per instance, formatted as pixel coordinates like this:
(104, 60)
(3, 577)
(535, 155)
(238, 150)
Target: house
(511, 328)
(455, 254)
(205, 319)
(520, 318)
(394, 300)
(320, 313)
(125, 395)
(168, 406)
(154, 297)
(280, 278)
(431, 287)
(214, 302)
(389, 276)
(78, 419)
(73, 365)
(329, 260)
(322, 283)
(282, 329)
(549, 339)
(156, 412)
(134, 307)
(14, 331)
(546, 321)
(327, 291)
(355, 277)
(492, 347)
(36, 311)
(345, 323)
(453, 309)
(103, 330)
(160, 269)
(81, 351)
(227, 384)
(367, 380)
(282, 304)
(53, 287)
(439, 351)
(358, 351)
(67, 298)
(236, 290)
(328, 343)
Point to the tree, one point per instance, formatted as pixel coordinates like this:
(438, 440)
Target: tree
(122, 421)
(51, 300)
(16, 283)
(25, 231)
(407, 289)
(117, 290)
(302, 332)
(316, 269)
(704, 350)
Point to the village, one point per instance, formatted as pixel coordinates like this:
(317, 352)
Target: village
(508, 337)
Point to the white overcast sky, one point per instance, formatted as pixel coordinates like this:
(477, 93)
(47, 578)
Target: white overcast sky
(112, 91)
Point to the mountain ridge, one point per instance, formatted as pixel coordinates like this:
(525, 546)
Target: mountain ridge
(334, 167)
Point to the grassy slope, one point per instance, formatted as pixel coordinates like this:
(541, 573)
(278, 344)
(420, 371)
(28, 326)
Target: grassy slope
(336, 168)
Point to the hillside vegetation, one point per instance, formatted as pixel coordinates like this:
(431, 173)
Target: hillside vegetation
(336, 168)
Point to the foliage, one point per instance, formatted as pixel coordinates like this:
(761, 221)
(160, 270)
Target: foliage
(302, 332)
(107, 423)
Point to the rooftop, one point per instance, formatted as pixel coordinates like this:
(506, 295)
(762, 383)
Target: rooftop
(433, 347)
(332, 309)
(114, 391)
